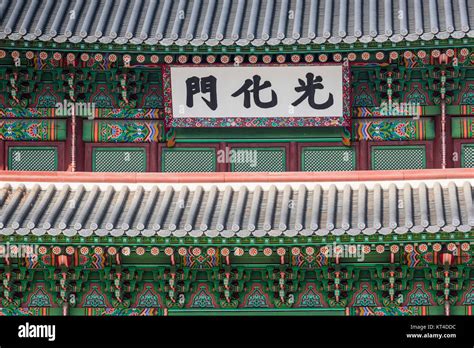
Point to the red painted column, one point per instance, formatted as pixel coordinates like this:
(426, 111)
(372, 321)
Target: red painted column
(3, 156)
(450, 145)
(80, 146)
(222, 167)
(153, 160)
(67, 148)
(363, 155)
(438, 146)
(293, 158)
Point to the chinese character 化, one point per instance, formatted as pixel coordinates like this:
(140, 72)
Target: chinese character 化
(255, 87)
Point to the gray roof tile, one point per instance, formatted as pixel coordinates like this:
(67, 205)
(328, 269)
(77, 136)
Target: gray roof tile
(236, 210)
(228, 22)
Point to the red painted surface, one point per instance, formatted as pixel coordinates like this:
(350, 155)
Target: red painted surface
(425, 174)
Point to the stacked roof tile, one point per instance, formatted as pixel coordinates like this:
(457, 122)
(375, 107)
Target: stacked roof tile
(236, 210)
(235, 22)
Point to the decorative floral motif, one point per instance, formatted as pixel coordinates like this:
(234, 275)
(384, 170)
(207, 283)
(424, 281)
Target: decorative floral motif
(94, 298)
(256, 299)
(128, 113)
(40, 298)
(393, 130)
(202, 299)
(31, 311)
(30, 130)
(102, 99)
(47, 99)
(365, 298)
(153, 100)
(419, 297)
(363, 97)
(148, 299)
(467, 97)
(468, 298)
(122, 312)
(385, 311)
(416, 96)
(123, 131)
(256, 122)
(310, 299)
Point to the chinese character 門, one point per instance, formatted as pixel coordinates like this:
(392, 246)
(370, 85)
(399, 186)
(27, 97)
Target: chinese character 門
(204, 85)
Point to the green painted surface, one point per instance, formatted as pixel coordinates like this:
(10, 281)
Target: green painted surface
(319, 159)
(467, 156)
(188, 160)
(270, 159)
(33, 158)
(204, 49)
(456, 128)
(87, 131)
(398, 157)
(258, 134)
(106, 159)
(461, 127)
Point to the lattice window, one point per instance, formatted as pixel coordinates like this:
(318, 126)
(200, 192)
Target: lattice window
(323, 159)
(33, 158)
(398, 157)
(118, 159)
(188, 160)
(467, 156)
(272, 159)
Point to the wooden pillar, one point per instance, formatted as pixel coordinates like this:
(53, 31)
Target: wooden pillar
(3, 156)
(67, 148)
(80, 146)
(153, 157)
(222, 167)
(450, 145)
(293, 158)
(438, 143)
(363, 155)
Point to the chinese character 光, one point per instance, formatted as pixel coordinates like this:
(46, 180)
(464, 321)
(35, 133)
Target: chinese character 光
(195, 85)
(309, 92)
(253, 86)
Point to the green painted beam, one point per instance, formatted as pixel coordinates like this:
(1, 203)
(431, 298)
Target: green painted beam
(258, 134)
(249, 49)
(220, 242)
(461, 127)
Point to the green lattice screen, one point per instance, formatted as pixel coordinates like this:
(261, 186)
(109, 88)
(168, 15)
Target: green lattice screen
(271, 159)
(323, 159)
(188, 160)
(467, 156)
(131, 159)
(398, 157)
(33, 158)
